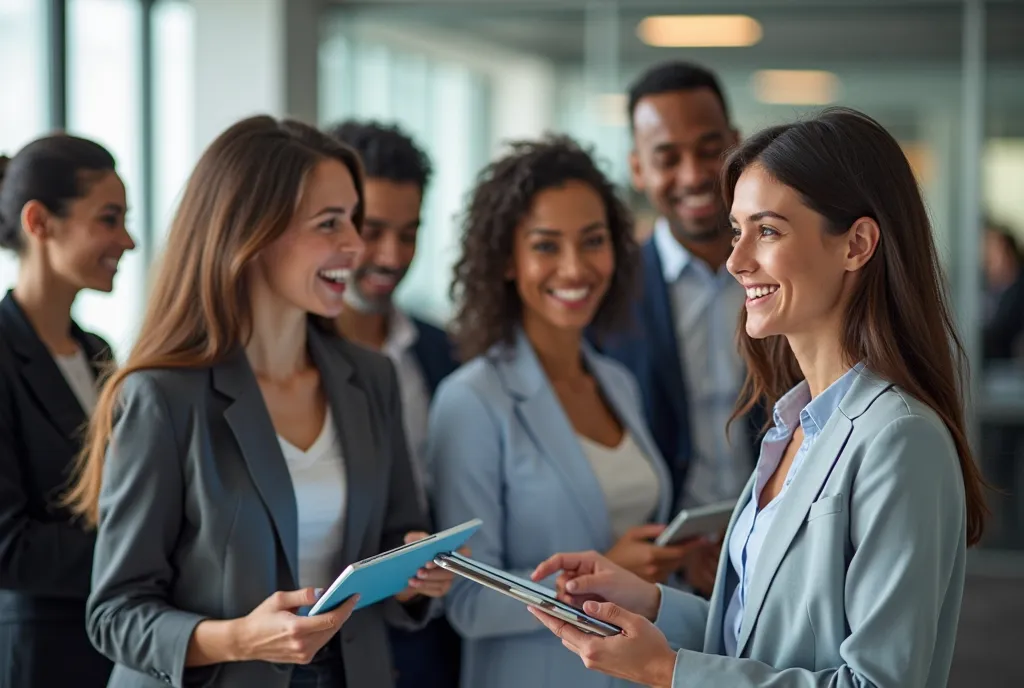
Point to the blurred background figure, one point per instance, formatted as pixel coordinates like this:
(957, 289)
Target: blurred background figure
(1003, 263)
(62, 213)
(397, 173)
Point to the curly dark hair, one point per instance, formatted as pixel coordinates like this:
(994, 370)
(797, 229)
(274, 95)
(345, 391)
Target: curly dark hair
(387, 152)
(489, 307)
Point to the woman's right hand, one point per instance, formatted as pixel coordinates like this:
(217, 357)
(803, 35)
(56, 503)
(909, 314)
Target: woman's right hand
(636, 552)
(273, 632)
(591, 576)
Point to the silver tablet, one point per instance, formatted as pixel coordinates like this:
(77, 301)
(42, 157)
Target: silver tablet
(525, 591)
(704, 520)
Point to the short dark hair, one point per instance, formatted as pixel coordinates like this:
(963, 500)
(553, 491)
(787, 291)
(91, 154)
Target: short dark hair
(49, 170)
(387, 152)
(676, 75)
(489, 307)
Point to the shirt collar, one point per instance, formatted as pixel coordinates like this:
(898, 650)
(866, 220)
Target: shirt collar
(402, 333)
(674, 257)
(813, 414)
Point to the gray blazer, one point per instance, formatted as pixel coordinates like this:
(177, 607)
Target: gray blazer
(503, 450)
(198, 517)
(860, 578)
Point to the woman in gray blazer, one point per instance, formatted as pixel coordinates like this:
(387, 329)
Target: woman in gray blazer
(243, 456)
(539, 435)
(844, 561)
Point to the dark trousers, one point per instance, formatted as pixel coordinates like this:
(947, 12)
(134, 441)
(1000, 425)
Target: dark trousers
(327, 670)
(429, 658)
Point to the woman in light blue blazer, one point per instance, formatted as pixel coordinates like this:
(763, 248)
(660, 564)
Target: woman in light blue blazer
(844, 563)
(538, 435)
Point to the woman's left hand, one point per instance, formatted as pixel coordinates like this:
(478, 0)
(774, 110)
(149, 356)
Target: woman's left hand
(431, 580)
(640, 653)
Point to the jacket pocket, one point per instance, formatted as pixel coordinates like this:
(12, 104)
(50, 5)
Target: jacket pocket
(832, 504)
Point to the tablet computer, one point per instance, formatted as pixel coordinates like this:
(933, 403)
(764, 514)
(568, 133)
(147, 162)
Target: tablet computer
(388, 573)
(525, 591)
(705, 520)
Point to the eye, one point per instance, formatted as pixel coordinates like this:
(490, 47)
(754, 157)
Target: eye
(545, 247)
(767, 231)
(109, 220)
(595, 241)
(329, 224)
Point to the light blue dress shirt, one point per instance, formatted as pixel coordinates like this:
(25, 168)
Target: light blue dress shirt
(706, 307)
(753, 524)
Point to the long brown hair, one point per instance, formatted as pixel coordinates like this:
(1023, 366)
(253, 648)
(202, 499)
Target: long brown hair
(241, 196)
(898, 321)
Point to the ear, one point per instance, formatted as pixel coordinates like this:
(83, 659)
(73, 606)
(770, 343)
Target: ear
(36, 219)
(862, 240)
(636, 177)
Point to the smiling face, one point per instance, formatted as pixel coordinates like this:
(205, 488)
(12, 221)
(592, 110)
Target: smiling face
(797, 275)
(84, 247)
(679, 141)
(309, 265)
(563, 258)
(389, 234)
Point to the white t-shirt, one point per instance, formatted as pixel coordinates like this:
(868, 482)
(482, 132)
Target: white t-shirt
(79, 376)
(318, 477)
(628, 481)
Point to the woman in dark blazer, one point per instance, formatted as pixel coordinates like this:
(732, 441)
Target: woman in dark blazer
(62, 208)
(245, 455)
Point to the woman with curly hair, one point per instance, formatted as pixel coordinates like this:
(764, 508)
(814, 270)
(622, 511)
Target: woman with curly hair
(538, 435)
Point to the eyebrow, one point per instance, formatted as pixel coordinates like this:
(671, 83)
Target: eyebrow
(330, 209)
(757, 217)
(381, 222)
(708, 137)
(544, 231)
(116, 207)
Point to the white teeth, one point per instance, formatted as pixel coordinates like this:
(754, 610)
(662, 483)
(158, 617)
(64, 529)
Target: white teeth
(699, 200)
(571, 294)
(336, 274)
(758, 292)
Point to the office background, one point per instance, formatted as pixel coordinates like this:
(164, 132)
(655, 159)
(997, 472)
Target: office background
(156, 80)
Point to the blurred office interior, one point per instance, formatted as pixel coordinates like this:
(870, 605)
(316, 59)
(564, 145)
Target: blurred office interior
(156, 80)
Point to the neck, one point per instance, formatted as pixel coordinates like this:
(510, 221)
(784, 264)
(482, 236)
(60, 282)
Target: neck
(821, 359)
(713, 252)
(46, 301)
(558, 350)
(277, 344)
(368, 329)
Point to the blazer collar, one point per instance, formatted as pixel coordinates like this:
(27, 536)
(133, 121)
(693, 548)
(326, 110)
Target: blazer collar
(804, 490)
(40, 372)
(250, 422)
(546, 421)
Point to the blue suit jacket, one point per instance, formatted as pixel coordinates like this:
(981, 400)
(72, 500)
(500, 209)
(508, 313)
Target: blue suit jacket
(503, 450)
(650, 350)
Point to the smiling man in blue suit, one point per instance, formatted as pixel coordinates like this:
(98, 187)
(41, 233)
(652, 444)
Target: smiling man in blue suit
(682, 348)
(397, 173)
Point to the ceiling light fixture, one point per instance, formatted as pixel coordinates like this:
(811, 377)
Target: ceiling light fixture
(796, 87)
(700, 31)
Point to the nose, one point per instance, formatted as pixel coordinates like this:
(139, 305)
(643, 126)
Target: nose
(349, 240)
(571, 265)
(386, 254)
(125, 239)
(690, 173)
(742, 259)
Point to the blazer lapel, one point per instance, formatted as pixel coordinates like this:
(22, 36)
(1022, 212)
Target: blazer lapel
(40, 372)
(633, 422)
(250, 422)
(722, 592)
(791, 514)
(351, 413)
(545, 419)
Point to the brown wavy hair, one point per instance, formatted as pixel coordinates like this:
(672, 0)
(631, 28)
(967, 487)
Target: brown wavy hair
(846, 166)
(241, 197)
(489, 306)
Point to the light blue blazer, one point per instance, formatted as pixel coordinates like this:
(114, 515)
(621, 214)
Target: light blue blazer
(861, 575)
(503, 450)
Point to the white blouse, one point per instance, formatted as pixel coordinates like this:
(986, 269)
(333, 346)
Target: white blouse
(628, 481)
(79, 376)
(318, 477)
